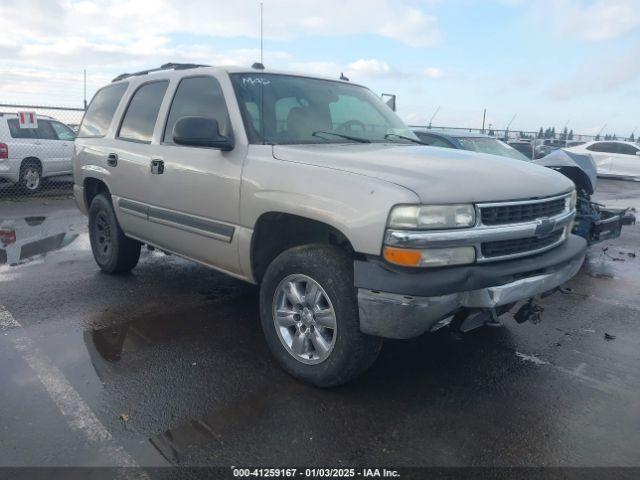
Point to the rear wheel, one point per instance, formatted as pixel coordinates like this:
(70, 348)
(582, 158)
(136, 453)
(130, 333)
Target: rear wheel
(310, 319)
(112, 250)
(30, 176)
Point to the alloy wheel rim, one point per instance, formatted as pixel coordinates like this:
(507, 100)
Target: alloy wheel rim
(103, 236)
(304, 319)
(31, 178)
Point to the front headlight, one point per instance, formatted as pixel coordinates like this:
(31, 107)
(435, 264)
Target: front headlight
(432, 217)
(571, 200)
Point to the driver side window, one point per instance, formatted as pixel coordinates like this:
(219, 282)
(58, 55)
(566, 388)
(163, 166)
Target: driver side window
(348, 108)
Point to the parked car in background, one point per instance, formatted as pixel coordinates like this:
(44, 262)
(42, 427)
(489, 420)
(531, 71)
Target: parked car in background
(525, 147)
(613, 158)
(314, 189)
(462, 140)
(29, 155)
(594, 222)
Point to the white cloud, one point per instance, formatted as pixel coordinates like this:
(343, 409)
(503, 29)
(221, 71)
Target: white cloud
(412, 27)
(433, 72)
(370, 68)
(584, 20)
(601, 74)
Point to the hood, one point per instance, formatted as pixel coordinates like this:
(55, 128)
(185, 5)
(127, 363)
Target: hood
(581, 169)
(436, 175)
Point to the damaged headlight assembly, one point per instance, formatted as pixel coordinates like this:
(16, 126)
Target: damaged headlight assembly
(431, 217)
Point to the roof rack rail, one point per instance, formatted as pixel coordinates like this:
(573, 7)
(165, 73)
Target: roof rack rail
(166, 66)
(2, 114)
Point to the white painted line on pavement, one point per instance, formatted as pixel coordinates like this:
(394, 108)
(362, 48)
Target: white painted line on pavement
(77, 413)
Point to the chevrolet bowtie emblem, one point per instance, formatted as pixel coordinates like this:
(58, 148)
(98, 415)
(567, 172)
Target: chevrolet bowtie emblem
(545, 227)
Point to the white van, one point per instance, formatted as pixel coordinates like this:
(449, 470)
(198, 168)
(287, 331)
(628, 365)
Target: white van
(28, 155)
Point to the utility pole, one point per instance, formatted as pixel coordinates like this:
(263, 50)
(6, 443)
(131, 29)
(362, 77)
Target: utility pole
(85, 88)
(484, 117)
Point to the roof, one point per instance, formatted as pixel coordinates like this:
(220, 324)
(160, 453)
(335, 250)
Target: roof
(47, 117)
(175, 68)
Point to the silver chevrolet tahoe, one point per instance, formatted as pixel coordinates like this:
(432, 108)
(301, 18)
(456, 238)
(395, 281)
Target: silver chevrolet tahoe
(315, 190)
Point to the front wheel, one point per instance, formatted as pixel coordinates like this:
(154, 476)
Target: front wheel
(309, 316)
(112, 250)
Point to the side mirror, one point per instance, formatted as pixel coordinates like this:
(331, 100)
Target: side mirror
(201, 132)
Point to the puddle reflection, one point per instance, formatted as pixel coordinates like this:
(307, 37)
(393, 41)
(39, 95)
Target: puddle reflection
(26, 238)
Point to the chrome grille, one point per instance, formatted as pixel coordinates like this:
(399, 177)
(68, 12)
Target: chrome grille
(503, 248)
(521, 212)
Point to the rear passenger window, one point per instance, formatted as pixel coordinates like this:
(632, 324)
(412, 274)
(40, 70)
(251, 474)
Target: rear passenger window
(142, 112)
(45, 131)
(100, 112)
(17, 132)
(198, 97)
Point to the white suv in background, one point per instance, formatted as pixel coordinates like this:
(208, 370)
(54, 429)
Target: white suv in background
(613, 158)
(27, 155)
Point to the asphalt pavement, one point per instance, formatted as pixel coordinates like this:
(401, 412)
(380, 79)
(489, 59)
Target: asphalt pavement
(167, 366)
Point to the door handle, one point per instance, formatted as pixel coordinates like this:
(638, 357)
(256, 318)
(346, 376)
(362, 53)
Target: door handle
(112, 160)
(157, 167)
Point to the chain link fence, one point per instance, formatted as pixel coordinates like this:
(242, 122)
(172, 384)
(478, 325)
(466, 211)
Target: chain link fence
(36, 147)
(514, 135)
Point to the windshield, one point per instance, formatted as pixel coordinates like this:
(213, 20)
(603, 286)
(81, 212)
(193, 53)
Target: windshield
(286, 109)
(492, 146)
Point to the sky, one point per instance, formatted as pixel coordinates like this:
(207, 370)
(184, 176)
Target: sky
(548, 62)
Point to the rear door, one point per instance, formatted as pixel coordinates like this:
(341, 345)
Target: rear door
(133, 150)
(626, 162)
(65, 137)
(23, 143)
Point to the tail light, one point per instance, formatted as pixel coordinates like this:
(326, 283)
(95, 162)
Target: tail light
(4, 150)
(7, 237)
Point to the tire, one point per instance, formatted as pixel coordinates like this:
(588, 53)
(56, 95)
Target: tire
(112, 250)
(30, 176)
(349, 352)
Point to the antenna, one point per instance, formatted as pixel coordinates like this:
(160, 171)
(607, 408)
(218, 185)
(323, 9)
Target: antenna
(433, 116)
(261, 34)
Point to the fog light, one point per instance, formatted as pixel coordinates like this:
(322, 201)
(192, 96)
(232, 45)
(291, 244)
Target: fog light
(430, 257)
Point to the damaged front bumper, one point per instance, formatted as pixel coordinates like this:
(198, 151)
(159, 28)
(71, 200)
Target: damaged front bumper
(402, 304)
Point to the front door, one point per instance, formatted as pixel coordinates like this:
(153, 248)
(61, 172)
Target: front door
(195, 197)
(65, 137)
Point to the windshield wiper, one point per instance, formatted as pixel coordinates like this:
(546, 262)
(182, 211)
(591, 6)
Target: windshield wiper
(404, 138)
(348, 137)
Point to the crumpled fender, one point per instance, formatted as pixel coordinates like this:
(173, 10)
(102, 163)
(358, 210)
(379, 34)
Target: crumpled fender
(581, 169)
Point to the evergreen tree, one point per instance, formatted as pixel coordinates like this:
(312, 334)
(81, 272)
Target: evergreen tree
(553, 132)
(564, 134)
(632, 138)
(570, 137)
(597, 139)
(540, 133)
